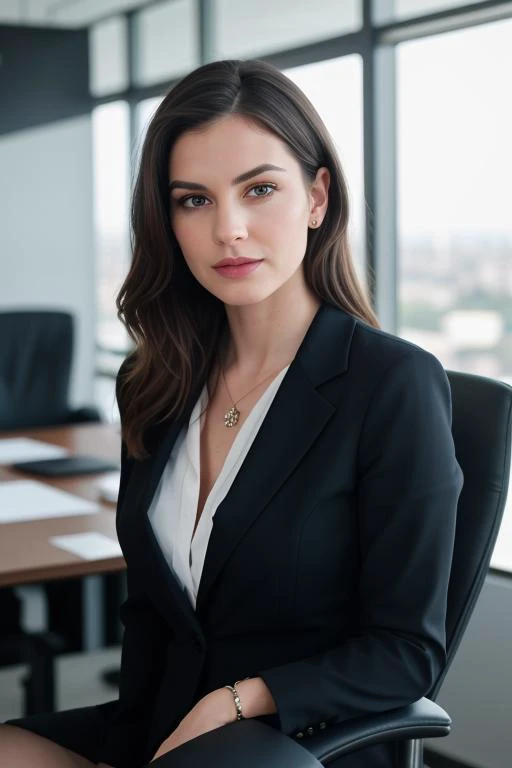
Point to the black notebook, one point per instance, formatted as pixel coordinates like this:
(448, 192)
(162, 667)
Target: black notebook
(70, 465)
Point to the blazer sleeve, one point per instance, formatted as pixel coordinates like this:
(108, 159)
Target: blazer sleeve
(142, 662)
(408, 487)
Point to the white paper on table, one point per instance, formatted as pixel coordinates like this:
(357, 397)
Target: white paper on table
(89, 546)
(23, 500)
(108, 486)
(17, 449)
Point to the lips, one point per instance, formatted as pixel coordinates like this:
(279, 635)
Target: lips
(234, 262)
(240, 270)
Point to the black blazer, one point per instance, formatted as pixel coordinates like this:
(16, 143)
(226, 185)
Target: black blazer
(327, 568)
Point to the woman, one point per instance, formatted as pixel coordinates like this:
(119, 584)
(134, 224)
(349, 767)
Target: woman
(288, 470)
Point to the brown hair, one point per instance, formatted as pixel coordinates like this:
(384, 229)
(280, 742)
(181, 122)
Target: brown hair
(177, 324)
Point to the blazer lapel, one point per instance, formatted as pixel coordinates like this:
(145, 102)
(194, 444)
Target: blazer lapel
(138, 536)
(295, 418)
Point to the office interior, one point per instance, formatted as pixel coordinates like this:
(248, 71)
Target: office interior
(416, 94)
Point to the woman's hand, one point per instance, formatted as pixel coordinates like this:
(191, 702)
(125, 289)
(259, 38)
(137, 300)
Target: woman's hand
(218, 708)
(212, 711)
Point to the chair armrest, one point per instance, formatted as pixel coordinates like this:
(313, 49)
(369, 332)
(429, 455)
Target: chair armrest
(422, 719)
(87, 413)
(248, 743)
(255, 744)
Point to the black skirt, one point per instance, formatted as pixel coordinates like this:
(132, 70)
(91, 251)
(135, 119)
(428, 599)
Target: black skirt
(82, 730)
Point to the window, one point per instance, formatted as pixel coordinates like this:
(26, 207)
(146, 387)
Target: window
(166, 41)
(110, 124)
(108, 63)
(396, 10)
(111, 215)
(454, 223)
(248, 29)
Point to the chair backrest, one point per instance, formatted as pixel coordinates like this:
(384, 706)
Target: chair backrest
(36, 349)
(482, 430)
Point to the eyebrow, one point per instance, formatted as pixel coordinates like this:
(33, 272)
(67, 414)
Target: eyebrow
(238, 180)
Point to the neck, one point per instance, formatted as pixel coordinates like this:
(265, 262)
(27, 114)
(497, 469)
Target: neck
(264, 337)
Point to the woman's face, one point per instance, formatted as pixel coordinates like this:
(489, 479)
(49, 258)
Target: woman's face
(238, 193)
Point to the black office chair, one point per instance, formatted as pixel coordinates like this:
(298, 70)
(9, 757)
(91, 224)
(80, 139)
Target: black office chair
(482, 423)
(482, 431)
(36, 351)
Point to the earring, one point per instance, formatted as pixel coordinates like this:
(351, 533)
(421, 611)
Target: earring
(314, 222)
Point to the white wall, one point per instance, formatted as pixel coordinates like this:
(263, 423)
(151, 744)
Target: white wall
(46, 231)
(477, 692)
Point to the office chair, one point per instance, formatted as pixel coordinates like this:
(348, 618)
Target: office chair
(482, 432)
(481, 426)
(36, 352)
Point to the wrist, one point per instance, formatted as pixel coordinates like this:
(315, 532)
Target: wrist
(222, 705)
(255, 698)
(239, 714)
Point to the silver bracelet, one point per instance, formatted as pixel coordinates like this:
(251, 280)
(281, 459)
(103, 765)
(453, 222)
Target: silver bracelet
(238, 703)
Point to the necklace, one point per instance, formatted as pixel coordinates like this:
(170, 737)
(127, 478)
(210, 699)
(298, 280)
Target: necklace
(233, 414)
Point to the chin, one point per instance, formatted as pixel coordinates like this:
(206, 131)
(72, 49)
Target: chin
(241, 301)
(240, 293)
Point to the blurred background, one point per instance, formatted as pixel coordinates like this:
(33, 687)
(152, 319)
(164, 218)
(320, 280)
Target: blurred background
(417, 97)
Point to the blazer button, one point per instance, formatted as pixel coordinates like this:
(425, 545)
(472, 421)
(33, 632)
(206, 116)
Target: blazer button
(322, 726)
(299, 735)
(310, 731)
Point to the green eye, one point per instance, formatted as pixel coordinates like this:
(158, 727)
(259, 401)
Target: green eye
(268, 189)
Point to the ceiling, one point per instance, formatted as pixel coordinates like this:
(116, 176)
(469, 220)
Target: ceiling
(63, 13)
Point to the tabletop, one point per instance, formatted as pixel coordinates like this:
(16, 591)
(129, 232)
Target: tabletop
(25, 553)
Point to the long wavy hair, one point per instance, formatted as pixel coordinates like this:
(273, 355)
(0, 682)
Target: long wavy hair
(179, 327)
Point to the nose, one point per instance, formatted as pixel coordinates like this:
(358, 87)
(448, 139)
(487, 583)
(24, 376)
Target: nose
(229, 225)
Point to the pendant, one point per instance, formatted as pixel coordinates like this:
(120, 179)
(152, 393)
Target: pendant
(231, 417)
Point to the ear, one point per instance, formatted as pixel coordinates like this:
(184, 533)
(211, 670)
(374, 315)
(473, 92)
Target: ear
(319, 196)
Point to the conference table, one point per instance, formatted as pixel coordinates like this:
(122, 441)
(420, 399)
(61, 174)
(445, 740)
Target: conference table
(27, 556)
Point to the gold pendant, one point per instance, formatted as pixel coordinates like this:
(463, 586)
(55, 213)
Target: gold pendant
(231, 417)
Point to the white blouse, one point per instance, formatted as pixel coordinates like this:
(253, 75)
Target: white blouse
(173, 510)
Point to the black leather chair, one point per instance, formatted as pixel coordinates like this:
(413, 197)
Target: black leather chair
(36, 351)
(482, 424)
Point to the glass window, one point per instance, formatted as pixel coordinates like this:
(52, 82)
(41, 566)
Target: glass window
(108, 63)
(110, 124)
(393, 10)
(335, 88)
(454, 203)
(249, 29)
(166, 41)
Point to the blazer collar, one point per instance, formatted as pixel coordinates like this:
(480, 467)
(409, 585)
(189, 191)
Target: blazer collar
(295, 418)
(324, 351)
